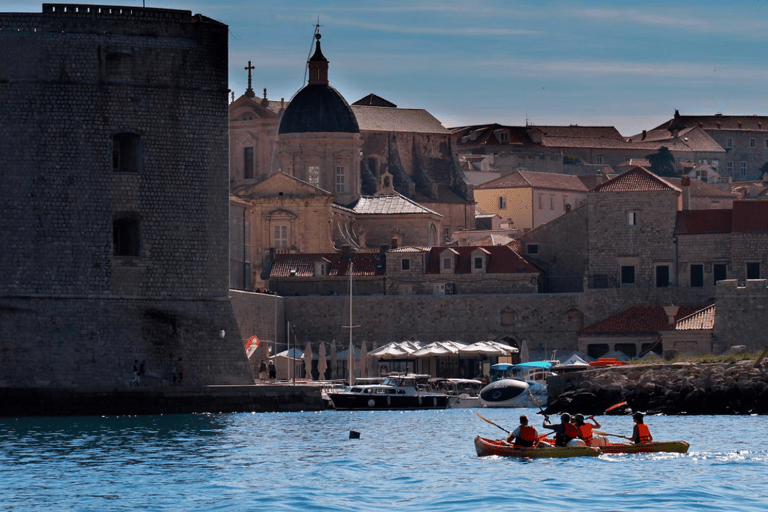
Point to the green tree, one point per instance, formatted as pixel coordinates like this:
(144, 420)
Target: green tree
(662, 162)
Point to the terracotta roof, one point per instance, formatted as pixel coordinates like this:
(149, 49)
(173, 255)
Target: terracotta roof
(721, 122)
(688, 139)
(750, 216)
(703, 319)
(389, 205)
(364, 264)
(702, 189)
(389, 119)
(638, 179)
(698, 222)
(639, 319)
(501, 260)
(373, 100)
(528, 179)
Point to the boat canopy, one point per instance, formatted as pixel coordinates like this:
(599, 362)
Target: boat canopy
(530, 365)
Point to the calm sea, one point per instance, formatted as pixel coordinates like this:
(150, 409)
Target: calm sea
(422, 460)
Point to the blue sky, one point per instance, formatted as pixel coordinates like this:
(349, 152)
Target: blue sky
(623, 63)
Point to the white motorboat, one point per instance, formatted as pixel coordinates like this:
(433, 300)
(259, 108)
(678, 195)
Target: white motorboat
(517, 385)
(462, 393)
(396, 392)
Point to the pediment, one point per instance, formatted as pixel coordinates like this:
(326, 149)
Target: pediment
(244, 108)
(282, 185)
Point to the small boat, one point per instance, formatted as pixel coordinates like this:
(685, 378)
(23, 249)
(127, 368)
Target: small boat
(396, 392)
(462, 393)
(485, 447)
(652, 447)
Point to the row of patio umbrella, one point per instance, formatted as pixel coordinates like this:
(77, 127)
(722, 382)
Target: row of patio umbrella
(395, 350)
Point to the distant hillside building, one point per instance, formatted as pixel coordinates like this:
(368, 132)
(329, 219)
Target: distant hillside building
(114, 196)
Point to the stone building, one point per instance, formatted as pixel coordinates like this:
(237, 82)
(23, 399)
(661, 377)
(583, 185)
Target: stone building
(744, 139)
(529, 199)
(115, 198)
(578, 149)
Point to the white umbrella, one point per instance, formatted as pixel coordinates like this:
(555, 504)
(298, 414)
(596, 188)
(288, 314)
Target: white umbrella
(322, 364)
(440, 348)
(396, 350)
(363, 360)
(487, 348)
(308, 361)
(333, 359)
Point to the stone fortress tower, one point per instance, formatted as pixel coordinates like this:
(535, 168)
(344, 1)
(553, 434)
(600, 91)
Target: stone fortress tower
(114, 198)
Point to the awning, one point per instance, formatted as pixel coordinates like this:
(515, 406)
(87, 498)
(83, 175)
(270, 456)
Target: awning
(487, 348)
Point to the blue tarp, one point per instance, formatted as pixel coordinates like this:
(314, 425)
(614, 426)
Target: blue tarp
(530, 365)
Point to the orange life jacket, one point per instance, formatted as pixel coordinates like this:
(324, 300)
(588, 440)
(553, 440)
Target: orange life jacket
(643, 434)
(586, 433)
(527, 437)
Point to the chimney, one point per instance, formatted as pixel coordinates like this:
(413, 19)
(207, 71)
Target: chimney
(644, 135)
(394, 243)
(671, 312)
(685, 183)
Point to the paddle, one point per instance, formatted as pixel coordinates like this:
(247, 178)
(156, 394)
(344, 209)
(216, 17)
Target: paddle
(541, 410)
(614, 406)
(492, 423)
(607, 434)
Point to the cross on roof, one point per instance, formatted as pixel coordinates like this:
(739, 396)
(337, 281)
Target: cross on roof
(249, 92)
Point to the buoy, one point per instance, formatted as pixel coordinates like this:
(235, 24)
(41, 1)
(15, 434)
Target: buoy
(354, 435)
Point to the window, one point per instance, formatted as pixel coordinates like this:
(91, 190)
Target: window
(504, 136)
(248, 163)
(753, 143)
(447, 263)
(313, 175)
(340, 179)
(406, 264)
(280, 240)
(743, 168)
(502, 203)
(720, 272)
(439, 289)
(753, 270)
(729, 167)
(728, 143)
(766, 143)
(551, 202)
(627, 275)
(662, 276)
(447, 233)
(697, 276)
(565, 203)
(632, 218)
(125, 236)
(599, 159)
(126, 152)
(478, 262)
(533, 248)
(541, 202)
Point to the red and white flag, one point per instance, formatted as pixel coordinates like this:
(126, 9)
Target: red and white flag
(252, 345)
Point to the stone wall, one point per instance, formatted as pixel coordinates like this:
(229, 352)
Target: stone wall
(262, 315)
(741, 315)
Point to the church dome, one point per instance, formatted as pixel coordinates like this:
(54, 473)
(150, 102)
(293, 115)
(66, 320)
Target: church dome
(318, 108)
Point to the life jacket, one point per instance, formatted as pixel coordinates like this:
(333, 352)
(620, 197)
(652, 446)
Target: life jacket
(527, 437)
(569, 432)
(643, 434)
(586, 433)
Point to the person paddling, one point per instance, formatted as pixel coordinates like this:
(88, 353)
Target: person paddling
(640, 432)
(565, 431)
(524, 436)
(585, 429)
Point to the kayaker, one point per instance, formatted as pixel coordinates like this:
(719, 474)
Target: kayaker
(585, 429)
(524, 436)
(640, 432)
(565, 431)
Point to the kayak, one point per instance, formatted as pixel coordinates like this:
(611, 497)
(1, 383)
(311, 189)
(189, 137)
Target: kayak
(486, 447)
(652, 447)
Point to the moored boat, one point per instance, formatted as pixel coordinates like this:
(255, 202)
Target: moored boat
(652, 447)
(485, 447)
(516, 385)
(462, 393)
(396, 392)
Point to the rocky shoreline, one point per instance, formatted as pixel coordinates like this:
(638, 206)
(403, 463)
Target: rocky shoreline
(680, 388)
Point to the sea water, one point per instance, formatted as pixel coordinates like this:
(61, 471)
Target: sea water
(415, 460)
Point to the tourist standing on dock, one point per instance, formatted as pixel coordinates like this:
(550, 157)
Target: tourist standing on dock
(136, 378)
(178, 372)
(272, 371)
(262, 371)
